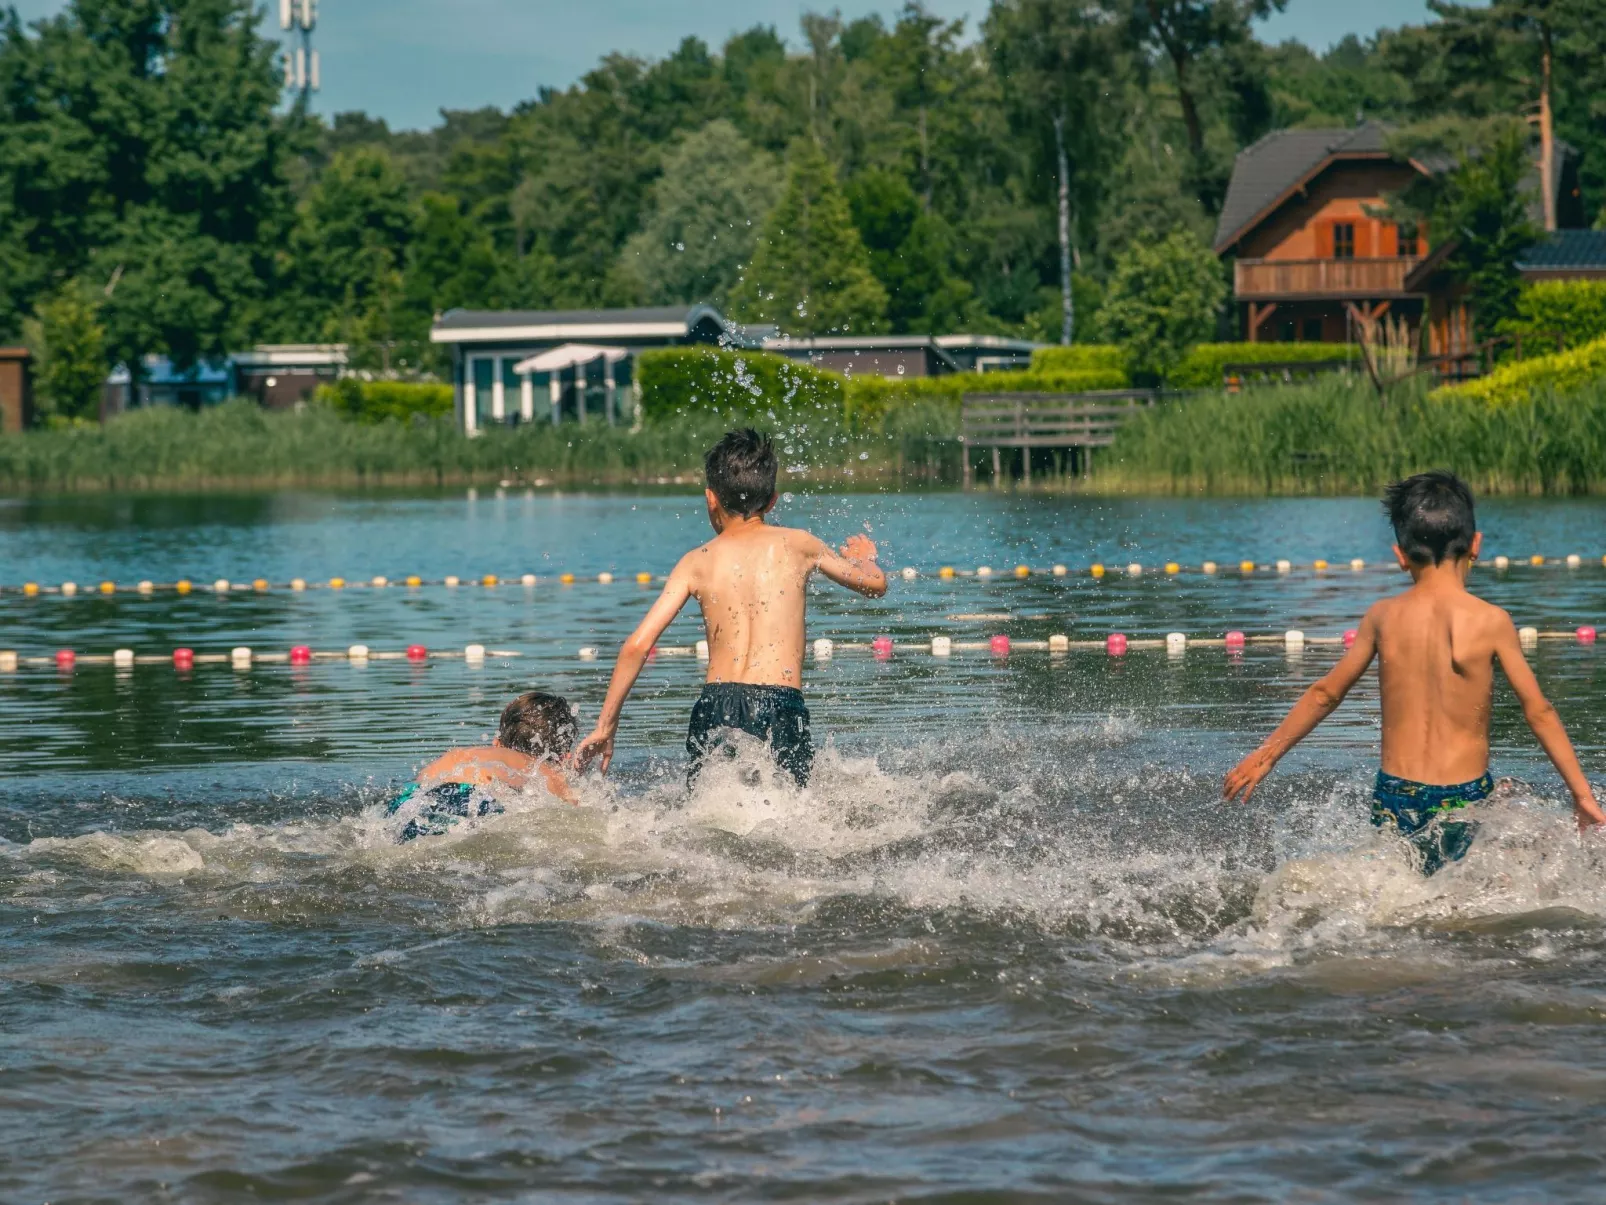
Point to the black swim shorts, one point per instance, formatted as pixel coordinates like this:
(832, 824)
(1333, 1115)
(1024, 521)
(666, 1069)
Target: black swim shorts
(776, 715)
(1417, 812)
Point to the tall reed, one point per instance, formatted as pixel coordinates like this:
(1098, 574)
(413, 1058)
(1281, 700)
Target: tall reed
(1334, 436)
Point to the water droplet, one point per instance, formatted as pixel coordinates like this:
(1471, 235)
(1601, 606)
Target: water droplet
(680, 246)
(864, 456)
(786, 497)
(900, 370)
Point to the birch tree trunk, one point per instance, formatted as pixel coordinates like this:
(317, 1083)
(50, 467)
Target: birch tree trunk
(1068, 323)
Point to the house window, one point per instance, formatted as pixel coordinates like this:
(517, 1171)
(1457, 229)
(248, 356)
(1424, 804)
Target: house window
(1406, 239)
(1312, 330)
(1343, 240)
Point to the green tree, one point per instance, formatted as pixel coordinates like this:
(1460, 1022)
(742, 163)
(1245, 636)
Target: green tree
(1201, 37)
(350, 241)
(703, 218)
(140, 151)
(1163, 298)
(1055, 60)
(69, 346)
(911, 253)
(1479, 206)
(810, 273)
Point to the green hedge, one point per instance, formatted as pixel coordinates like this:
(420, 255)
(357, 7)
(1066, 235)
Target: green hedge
(1574, 309)
(686, 380)
(1521, 380)
(1203, 366)
(376, 401)
(1081, 357)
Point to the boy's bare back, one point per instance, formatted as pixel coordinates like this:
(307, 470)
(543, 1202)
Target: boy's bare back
(1436, 651)
(750, 581)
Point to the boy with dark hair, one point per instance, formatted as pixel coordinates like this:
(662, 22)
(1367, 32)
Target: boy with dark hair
(750, 581)
(1436, 646)
(534, 735)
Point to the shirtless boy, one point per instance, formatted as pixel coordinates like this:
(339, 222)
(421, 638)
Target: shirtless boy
(1436, 646)
(533, 736)
(750, 581)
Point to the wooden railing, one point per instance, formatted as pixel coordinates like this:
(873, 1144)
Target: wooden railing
(1294, 279)
(1044, 420)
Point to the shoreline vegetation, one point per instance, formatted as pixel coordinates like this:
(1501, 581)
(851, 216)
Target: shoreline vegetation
(1330, 437)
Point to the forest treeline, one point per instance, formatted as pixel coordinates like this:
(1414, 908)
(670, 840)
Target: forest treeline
(892, 173)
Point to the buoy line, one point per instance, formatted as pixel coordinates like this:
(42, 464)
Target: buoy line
(883, 648)
(983, 573)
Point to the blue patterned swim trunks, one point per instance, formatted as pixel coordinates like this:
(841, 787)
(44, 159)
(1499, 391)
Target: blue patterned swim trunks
(440, 807)
(1416, 811)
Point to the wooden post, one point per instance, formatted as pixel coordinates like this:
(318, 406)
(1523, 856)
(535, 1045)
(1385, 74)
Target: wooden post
(998, 468)
(964, 464)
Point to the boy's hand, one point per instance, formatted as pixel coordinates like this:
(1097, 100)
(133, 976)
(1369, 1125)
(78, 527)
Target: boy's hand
(598, 747)
(859, 548)
(1246, 775)
(1588, 812)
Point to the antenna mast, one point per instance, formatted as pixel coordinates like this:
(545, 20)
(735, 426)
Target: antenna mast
(299, 18)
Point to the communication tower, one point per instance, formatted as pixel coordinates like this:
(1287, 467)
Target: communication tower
(299, 18)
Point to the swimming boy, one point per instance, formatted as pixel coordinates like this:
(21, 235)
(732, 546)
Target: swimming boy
(1436, 646)
(535, 733)
(750, 581)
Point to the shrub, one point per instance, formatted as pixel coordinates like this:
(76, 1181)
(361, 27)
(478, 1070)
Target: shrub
(1203, 365)
(1520, 380)
(685, 380)
(375, 401)
(1163, 298)
(1081, 357)
(1574, 309)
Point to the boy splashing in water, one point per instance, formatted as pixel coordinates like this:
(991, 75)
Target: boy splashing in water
(750, 581)
(533, 736)
(1436, 646)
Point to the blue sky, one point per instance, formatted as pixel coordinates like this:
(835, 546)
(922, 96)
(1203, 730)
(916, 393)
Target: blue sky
(404, 60)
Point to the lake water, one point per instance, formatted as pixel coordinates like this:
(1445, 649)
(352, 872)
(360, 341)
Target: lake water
(1008, 947)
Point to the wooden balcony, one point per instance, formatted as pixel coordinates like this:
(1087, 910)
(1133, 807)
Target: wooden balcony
(1322, 279)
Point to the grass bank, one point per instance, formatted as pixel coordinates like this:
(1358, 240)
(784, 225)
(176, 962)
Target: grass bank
(239, 445)
(1334, 437)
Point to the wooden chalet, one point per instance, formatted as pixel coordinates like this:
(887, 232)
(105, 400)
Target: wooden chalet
(1313, 262)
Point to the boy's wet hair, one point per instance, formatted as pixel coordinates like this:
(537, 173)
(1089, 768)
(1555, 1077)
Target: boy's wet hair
(539, 724)
(741, 471)
(1432, 517)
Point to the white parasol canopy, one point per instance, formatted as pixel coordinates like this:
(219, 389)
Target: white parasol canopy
(568, 355)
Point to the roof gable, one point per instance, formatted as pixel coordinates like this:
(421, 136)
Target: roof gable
(1265, 172)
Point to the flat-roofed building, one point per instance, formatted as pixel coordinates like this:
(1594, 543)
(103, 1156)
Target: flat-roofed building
(489, 346)
(904, 355)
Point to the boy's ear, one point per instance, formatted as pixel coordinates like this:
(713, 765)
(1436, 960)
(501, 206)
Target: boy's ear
(1399, 555)
(1477, 544)
(770, 505)
(496, 741)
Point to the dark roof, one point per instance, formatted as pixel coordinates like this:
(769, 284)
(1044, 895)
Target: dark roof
(1566, 249)
(479, 319)
(1264, 171)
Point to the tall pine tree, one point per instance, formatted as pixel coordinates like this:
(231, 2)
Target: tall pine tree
(810, 273)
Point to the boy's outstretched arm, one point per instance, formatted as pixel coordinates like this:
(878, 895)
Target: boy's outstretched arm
(1546, 724)
(1314, 706)
(632, 656)
(854, 567)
